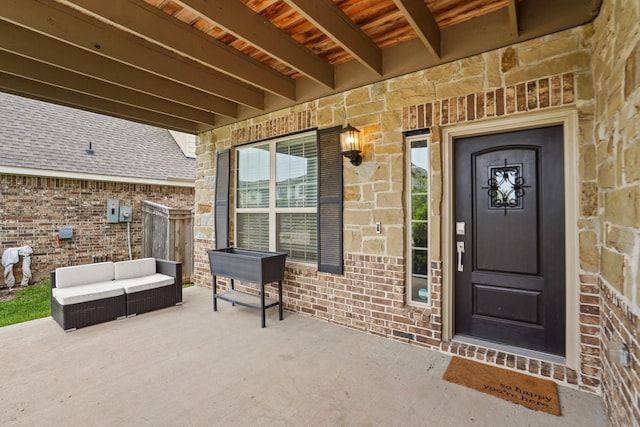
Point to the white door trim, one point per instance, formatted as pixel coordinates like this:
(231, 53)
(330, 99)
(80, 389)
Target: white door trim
(568, 117)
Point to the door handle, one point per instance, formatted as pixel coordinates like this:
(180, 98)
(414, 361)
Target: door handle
(460, 251)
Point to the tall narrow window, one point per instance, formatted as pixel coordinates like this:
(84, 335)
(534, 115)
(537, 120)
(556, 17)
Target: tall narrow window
(277, 187)
(418, 218)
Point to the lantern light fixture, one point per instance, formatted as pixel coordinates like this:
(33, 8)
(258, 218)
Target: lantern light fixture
(351, 145)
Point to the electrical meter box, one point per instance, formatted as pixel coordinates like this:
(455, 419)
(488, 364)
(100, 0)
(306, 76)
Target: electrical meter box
(113, 211)
(65, 233)
(126, 214)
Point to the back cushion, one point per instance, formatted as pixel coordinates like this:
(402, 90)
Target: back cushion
(84, 274)
(135, 268)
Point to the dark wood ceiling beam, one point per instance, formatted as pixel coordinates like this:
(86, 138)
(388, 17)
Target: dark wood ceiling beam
(49, 17)
(513, 17)
(36, 90)
(423, 23)
(44, 49)
(47, 74)
(247, 25)
(336, 25)
(158, 27)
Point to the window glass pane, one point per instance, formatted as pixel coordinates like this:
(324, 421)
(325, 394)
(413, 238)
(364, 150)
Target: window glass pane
(297, 235)
(290, 168)
(419, 230)
(253, 177)
(297, 172)
(419, 221)
(419, 276)
(419, 167)
(419, 206)
(253, 231)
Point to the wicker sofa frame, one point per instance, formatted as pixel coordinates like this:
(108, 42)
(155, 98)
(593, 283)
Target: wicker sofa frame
(154, 299)
(73, 316)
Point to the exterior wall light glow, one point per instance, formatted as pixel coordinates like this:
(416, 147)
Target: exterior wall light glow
(351, 145)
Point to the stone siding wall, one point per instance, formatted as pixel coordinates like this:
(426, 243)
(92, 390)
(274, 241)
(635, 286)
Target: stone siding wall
(615, 170)
(33, 208)
(554, 71)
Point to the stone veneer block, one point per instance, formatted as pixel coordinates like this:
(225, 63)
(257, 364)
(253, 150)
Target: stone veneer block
(532, 95)
(445, 112)
(632, 71)
(511, 100)
(622, 206)
(589, 251)
(613, 268)
(500, 102)
(471, 107)
(421, 118)
(543, 93)
(620, 239)
(556, 90)
(567, 89)
(453, 110)
(521, 97)
(429, 115)
(480, 105)
(632, 161)
(462, 108)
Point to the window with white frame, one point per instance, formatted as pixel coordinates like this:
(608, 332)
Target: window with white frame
(417, 156)
(276, 201)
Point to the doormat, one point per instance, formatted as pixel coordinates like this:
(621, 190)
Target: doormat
(534, 393)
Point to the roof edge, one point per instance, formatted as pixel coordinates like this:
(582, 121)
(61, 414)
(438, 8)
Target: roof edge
(48, 173)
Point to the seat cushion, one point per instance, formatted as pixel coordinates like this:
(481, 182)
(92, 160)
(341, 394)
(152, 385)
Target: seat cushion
(83, 293)
(138, 284)
(134, 268)
(79, 275)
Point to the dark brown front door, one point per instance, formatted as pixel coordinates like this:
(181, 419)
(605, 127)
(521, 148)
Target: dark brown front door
(509, 238)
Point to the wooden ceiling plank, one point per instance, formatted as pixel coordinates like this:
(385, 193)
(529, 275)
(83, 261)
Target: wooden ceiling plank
(36, 90)
(44, 49)
(247, 25)
(63, 23)
(158, 27)
(336, 25)
(513, 17)
(50, 75)
(423, 23)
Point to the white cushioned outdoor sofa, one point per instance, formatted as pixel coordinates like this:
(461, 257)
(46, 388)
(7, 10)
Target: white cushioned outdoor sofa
(84, 295)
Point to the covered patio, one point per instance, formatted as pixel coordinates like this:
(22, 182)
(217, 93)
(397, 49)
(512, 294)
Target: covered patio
(190, 366)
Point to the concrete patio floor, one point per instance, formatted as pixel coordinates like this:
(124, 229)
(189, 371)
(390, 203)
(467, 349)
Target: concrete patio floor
(189, 366)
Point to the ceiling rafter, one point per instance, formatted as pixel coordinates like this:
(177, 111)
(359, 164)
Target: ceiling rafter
(158, 27)
(254, 29)
(46, 16)
(513, 17)
(27, 43)
(423, 23)
(43, 73)
(331, 20)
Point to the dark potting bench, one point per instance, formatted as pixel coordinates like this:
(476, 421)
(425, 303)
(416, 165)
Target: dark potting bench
(246, 265)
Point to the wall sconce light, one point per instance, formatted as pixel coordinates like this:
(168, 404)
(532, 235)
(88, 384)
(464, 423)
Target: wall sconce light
(351, 144)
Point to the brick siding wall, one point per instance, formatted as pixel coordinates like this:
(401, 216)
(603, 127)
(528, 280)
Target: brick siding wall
(33, 208)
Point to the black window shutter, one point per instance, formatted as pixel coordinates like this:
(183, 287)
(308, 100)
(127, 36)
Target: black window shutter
(329, 201)
(221, 213)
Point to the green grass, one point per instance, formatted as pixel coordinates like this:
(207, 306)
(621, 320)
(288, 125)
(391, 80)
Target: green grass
(30, 303)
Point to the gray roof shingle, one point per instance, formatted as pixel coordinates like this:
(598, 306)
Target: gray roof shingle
(40, 135)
